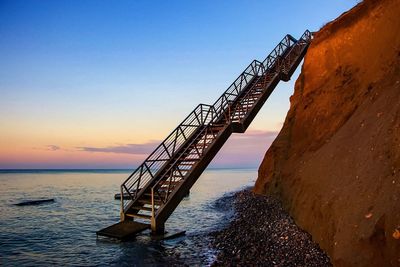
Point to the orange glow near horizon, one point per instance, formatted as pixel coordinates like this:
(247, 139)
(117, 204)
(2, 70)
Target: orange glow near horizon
(247, 149)
(39, 143)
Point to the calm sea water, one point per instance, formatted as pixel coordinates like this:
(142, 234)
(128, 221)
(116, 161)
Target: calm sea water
(63, 232)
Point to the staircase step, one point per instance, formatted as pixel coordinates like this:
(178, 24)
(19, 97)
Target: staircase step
(189, 160)
(186, 164)
(156, 196)
(198, 147)
(201, 143)
(167, 182)
(148, 201)
(165, 186)
(142, 208)
(217, 129)
(222, 125)
(174, 176)
(141, 216)
(193, 156)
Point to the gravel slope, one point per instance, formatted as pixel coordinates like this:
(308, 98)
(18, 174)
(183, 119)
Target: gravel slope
(263, 234)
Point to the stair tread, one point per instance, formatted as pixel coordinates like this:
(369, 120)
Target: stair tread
(148, 202)
(141, 208)
(172, 182)
(156, 196)
(141, 216)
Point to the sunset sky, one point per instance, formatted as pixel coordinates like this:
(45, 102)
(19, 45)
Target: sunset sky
(98, 84)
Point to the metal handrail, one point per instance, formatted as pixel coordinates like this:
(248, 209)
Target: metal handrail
(202, 116)
(143, 174)
(256, 70)
(173, 165)
(162, 154)
(276, 64)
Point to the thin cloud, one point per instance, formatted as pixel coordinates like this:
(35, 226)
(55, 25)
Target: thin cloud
(241, 150)
(137, 149)
(53, 147)
(238, 142)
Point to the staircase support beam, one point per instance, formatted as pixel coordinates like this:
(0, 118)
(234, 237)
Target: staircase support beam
(181, 192)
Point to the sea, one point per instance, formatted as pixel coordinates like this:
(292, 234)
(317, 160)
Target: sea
(63, 232)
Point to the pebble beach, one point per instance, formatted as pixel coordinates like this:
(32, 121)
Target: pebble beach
(262, 233)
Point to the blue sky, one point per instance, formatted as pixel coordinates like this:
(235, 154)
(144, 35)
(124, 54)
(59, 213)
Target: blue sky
(109, 73)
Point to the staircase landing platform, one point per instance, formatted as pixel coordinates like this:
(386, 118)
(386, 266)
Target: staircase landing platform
(123, 230)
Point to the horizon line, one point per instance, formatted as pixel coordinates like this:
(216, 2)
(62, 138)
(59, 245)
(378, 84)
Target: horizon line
(106, 169)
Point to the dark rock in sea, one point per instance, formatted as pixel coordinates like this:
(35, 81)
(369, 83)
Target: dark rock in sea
(35, 202)
(126, 196)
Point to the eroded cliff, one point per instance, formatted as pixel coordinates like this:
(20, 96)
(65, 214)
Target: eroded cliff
(336, 162)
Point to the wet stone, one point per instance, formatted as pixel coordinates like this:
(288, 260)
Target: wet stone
(263, 234)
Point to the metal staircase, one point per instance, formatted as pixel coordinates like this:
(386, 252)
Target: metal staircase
(156, 187)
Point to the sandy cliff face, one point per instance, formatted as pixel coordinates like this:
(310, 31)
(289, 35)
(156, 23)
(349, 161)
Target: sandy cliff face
(336, 162)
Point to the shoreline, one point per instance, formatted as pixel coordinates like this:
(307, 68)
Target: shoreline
(261, 232)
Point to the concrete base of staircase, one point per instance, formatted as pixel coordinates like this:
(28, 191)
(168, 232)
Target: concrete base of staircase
(123, 230)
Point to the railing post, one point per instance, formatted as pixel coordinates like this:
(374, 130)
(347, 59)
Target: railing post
(201, 115)
(156, 227)
(122, 213)
(152, 203)
(229, 113)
